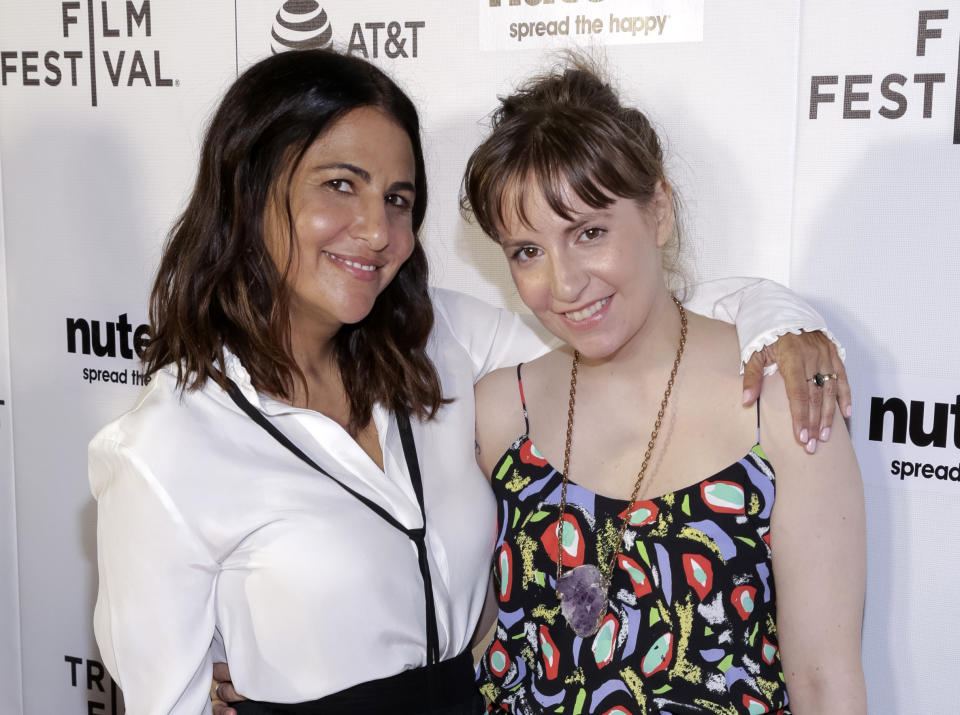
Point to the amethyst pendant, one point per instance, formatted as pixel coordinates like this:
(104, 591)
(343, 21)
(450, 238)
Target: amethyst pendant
(583, 599)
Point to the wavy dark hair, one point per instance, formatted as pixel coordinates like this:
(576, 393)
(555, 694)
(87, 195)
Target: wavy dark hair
(217, 287)
(567, 128)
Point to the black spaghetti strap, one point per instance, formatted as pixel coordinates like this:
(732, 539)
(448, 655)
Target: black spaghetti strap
(523, 403)
(417, 536)
(758, 420)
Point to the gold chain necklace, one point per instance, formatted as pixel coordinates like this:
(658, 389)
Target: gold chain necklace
(583, 590)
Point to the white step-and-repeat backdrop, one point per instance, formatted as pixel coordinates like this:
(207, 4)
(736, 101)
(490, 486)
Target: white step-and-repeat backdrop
(816, 143)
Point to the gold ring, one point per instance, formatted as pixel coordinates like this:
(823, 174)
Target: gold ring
(819, 378)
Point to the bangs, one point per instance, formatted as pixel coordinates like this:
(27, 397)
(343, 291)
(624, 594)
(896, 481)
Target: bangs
(566, 156)
(560, 186)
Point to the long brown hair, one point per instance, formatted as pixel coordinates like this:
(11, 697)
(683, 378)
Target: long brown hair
(217, 287)
(565, 129)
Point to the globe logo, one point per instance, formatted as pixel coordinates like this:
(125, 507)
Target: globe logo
(301, 25)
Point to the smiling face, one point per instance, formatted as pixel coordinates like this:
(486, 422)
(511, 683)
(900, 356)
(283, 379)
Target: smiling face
(351, 200)
(594, 279)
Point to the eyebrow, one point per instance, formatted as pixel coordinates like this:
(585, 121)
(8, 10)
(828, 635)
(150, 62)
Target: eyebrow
(352, 168)
(573, 226)
(365, 175)
(402, 186)
(512, 243)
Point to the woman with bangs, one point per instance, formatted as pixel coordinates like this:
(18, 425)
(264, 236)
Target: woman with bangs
(661, 548)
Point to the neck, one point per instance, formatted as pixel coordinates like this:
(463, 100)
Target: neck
(313, 350)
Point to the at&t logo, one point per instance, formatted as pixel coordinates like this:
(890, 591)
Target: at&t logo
(301, 25)
(304, 24)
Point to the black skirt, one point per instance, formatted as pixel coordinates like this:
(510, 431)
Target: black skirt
(447, 688)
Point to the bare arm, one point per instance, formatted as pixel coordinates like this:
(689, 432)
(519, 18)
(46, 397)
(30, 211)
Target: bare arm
(157, 578)
(819, 563)
(499, 416)
(488, 618)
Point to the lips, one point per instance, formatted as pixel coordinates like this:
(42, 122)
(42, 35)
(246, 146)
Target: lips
(583, 313)
(352, 262)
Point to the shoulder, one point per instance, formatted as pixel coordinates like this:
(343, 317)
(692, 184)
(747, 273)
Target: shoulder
(160, 402)
(712, 336)
(154, 435)
(833, 460)
(154, 400)
(498, 390)
(499, 415)
(467, 320)
(713, 356)
(451, 306)
(776, 423)
(491, 337)
(502, 395)
(472, 322)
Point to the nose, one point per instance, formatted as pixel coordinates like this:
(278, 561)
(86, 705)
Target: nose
(371, 224)
(567, 278)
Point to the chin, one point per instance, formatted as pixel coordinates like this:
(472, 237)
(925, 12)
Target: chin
(353, 308)
(594, 342)
(594, 353)
(593, 349)
(355, 316)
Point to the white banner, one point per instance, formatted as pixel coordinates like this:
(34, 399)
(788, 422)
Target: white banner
(813, 143)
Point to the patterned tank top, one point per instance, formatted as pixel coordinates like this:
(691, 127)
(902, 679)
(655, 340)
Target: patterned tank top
(691, 621)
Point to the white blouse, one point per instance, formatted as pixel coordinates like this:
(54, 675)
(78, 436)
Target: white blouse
(208, 529)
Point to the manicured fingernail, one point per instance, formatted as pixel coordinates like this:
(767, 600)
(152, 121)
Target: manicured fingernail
(848, 411)
(812, 446)
(825, 434)
(804, 435)
(747, 397)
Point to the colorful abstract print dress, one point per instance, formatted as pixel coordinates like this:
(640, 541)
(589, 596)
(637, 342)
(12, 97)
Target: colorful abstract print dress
(691, 622)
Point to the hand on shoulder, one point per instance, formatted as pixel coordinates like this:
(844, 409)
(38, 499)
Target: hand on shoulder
(777, 436)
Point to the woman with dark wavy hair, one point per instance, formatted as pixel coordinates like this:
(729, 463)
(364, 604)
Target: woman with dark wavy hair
(296, 486)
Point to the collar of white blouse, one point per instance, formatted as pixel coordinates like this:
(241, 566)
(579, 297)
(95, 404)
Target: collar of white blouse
(329, 444)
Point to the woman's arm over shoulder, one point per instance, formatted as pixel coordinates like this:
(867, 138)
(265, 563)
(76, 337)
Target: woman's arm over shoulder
(499, 416)
(493, 337)
(762, 310)
(155, 604)
(818, 540)
(777, 329)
